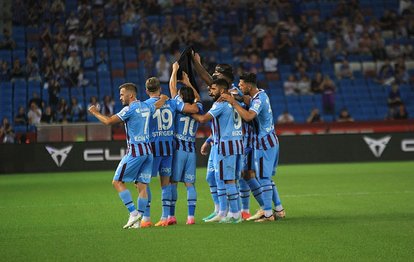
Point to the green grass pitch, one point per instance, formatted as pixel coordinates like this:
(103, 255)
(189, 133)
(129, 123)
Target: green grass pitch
(345, 212)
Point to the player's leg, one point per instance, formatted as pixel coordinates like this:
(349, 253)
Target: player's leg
(266, 158)
(165, 175)
(177, 171)
(245, 198)
(229, 166)
(279, 212)
(221, 190)
(244, 190)
(146, 219)
(189, 180)
(124, 173)
(211, 180)
(143, 178)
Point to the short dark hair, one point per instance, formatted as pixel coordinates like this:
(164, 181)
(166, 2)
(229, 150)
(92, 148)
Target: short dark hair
(129, 86)
(152, 84)
(221, 82)
(187, 94)
(226, 70)
(249, 78)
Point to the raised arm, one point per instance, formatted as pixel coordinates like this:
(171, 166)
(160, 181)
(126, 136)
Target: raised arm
(114, 119)
(201, 70)
(173, 79)
(247, 115)
(186, 81)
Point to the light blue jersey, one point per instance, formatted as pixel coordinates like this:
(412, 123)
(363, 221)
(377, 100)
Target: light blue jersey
(136, 165)
(162, 126)
(265, 133)
(186, 129)
(227, 129)
(136, 118)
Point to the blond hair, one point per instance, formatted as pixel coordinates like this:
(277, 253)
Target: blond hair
(152, 84)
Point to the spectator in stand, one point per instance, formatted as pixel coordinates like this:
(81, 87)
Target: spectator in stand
(386, 73)
(75, 111)
(365, 44)
(351, 42)
(108, 104)
(93, 101)
(300, 61)
(102, 61)
(254, 64)
(72, 23)
(394, 96)
(48, 116)
(345, 70)
(73, 66)
(401, 75)
(73, 44)
(388, 20)
(54, 90)
(6, 131)
(314, 60)
(378, 47)
(268, 43)
(328, 95)
(285, 118)
(337, 51)
(163, 69)
(270, 63)
(400, 112)
(62, 111)
(17, 71)
(32, 70)
(304, 85)
(290, 85)
(5, 74)
(113, 30)
(34, 114)
(57, 8)
(395, 50)
(314, 116)
(21, 118)
(36, 99)
(260, 30)
(7, 42)
(283, 49)
(316, 84)
(60, 47)
(344, 116)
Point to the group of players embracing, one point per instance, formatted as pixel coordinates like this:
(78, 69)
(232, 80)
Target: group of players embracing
(161, 134)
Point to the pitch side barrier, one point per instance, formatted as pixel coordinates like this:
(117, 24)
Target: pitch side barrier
(295, 149)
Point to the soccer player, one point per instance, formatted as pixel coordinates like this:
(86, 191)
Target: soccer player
(266, 147)
(184, 165)
(222, 71)
(227, 135)
(136, 165)
(162, 136)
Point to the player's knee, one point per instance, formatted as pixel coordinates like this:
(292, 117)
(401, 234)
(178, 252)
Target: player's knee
(115, 183)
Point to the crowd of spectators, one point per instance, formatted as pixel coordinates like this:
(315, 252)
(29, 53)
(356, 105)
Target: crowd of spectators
(255, 36)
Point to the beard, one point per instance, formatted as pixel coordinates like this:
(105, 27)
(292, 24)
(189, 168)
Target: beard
(215, 97)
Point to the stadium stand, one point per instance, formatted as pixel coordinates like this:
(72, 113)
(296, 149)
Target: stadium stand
(121, 41)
